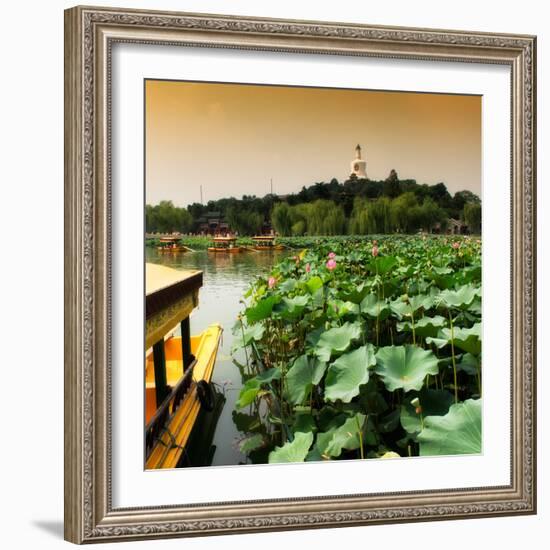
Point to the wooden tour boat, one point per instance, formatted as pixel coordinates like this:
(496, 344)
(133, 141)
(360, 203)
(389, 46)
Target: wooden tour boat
(170, 245)
(225, 244)
(266, 242)
(178, 369)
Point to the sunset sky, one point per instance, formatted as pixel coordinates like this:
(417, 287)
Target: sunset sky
(234, 138)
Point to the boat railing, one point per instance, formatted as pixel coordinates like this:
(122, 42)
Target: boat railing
(164, 413)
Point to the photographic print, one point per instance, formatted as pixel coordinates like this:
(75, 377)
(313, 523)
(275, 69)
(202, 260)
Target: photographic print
(313, 274)
(285, 225)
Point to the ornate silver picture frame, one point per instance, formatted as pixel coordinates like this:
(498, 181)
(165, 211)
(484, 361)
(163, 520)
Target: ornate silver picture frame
(90, 34)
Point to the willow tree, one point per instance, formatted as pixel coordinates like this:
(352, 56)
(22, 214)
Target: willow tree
(359, 221)
(371, 216)
(326, 218)
(245, 222)
(472, 216)
(281, 220)
(299, 215)
(403, 213)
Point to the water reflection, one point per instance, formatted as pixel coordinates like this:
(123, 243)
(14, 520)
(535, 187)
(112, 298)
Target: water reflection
(226, 278)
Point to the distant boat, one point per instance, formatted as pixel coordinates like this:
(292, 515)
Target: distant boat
(225, 245)
(170, 245)
(178, 369)
(266, 242)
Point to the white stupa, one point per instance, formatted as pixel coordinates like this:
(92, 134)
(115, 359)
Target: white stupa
(358, 165)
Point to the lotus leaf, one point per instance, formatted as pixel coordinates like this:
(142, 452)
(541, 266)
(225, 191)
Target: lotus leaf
(470, 364)
(336, 340)
(288, 285)
(245, 335)
(460, 298)
(314, 284)
(292, 307)
(384, 264)
(246, 422)
(269, 375)
(458, 432)
(348, 373)
(251, 443)
(466, 339)
(340, 308)
(404, 366)
(262, 309)
(374, 307)
(304, 423)
(304, 373)
(355, 295)
(292, 451)
(432, 403)
(346, 436)
(408, 306)
(248, 393)
(425, 326)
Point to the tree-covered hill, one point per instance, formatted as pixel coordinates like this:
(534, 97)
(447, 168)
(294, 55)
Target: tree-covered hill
(356, 206)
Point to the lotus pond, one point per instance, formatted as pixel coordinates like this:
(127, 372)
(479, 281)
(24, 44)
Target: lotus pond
(359, 349)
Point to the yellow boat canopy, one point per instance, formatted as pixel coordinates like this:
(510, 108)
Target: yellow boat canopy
(170, 296)
(224, 239)
(261, 238)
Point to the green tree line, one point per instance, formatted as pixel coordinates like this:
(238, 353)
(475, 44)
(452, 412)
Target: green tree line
(357, 206)
(167, 218)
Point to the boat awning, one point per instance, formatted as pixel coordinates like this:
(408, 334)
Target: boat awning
(170, 296)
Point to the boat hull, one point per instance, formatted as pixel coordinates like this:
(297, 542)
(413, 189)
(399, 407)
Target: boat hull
(167, 250)
(167, 452)
(234, 250)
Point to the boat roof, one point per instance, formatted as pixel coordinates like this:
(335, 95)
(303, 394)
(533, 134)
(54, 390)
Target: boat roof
(160, 277)
(170, 296)
(169, 239)
(221, 239)
(264, 238)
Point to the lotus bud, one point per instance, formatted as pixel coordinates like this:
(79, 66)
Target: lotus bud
(390, 454)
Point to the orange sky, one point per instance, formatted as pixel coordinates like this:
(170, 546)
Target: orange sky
(233, 138)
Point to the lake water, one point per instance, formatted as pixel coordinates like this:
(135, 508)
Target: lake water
(226, 278)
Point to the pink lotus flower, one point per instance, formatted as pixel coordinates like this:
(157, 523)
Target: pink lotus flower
(308, 268)
(374, 251)
(271, 282)
(332, 255)
(456, 245)
(331, 265)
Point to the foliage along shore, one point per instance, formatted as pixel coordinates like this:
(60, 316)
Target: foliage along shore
(357, 206)
(363, 349)
(200, 242)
